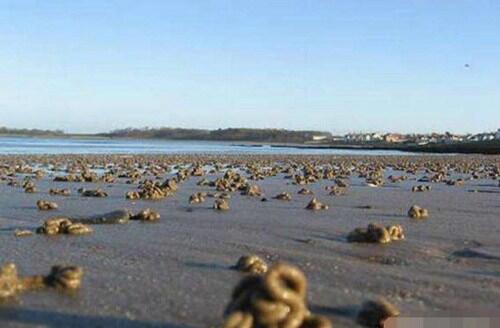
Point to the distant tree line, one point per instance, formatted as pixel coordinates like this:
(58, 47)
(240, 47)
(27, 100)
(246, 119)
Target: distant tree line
(30, 132)
(233, 134)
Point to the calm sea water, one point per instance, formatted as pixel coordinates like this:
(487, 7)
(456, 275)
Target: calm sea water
(25, 145)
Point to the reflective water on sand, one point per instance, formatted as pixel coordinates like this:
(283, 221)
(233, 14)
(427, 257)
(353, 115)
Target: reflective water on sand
(27, 145)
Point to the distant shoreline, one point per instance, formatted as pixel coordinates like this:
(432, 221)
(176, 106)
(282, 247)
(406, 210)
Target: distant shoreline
(53, 136)
(485, 147)
(478, 147)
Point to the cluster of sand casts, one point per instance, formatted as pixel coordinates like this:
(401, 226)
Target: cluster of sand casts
(267, 295)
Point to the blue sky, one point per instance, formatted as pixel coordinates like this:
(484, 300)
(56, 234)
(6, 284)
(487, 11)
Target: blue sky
(340, 66)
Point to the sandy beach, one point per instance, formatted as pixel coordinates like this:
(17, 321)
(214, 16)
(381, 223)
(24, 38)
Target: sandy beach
(176, 272)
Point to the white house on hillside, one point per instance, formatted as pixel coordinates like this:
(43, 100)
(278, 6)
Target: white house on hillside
(319, 138)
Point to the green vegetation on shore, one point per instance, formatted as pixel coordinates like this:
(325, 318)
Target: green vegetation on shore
(238, 134)
(30, 132)
(232, 134)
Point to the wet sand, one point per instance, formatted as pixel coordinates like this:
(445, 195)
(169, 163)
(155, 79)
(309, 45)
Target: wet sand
(176, 272)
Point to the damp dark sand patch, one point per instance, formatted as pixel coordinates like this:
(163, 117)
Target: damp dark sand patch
(478, 253)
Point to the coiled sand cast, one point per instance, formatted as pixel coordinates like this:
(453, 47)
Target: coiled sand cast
(11, 284)
(275, 299)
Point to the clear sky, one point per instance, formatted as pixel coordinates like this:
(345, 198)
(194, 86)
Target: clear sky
(339, 66)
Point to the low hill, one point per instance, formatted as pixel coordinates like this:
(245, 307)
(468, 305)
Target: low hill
(232, 134)
(30, 132)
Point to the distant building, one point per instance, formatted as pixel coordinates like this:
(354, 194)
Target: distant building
(420, 139)
(319, 138)
(488, 137)
(472, 137)
(338, 138)
(484, 137)
(353, 137)
(393, 137)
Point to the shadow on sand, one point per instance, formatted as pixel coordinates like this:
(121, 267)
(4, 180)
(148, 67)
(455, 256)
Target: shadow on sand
(16, 316)
(207, 266)
(339, 311)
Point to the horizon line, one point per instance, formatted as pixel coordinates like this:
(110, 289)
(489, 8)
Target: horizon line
(247, 128)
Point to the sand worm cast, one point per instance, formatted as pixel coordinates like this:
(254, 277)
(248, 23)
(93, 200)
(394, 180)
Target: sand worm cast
(300, 180)
(60, 192)
(28, 184)
(395, 179)
(316, 321)
(458, 182)
(375, 313)
(56, 225)
(376, 233)
(197, 198)
(66, 278)
(69, 178)
(154, 190)
(417, 212)
(283, 196)
(23, 233)
(374, 182)
(316, 205)
(251, 264)
(203, 182)
(336, 191)
(225, 195)
(132, 195)
(396, 232)
(274, 299)
(93, 193)
(421, 188)
(197, 171)
(45, 205)
(77, 229)
(147, 215)
(30, 190)
(221, 204)
(305, 191)
(341, 183)
(239, 319)
(252, 190)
